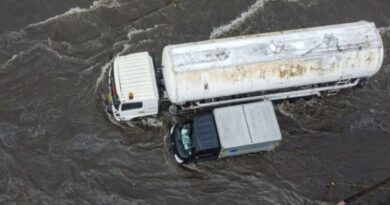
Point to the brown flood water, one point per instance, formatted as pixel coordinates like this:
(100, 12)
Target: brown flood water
(58, 146)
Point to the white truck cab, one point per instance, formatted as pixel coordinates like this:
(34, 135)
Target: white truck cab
(133, 88)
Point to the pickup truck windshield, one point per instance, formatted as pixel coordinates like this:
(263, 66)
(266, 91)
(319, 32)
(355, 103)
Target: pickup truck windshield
(185, 138)
(115, 98)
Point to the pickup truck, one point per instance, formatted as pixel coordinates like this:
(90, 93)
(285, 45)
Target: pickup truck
(228, 131)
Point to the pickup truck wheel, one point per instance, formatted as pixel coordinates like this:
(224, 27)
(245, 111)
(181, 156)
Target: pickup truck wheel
(178, 160)
(109, 109)
(172, 128)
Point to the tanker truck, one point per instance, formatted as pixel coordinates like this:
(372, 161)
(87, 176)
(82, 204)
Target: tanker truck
(270, 66)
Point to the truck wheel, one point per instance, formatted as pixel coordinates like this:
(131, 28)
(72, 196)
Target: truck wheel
(308, 98)
(292, 100)
(178, 160)
(173, 109)
(362, 83)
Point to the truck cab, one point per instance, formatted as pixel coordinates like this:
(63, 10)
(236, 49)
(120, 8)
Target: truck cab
(132, 87)
(195, 140)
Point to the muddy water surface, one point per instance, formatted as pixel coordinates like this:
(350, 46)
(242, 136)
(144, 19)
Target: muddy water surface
(58, 146)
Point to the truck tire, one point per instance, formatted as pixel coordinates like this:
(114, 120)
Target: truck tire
(173, 109)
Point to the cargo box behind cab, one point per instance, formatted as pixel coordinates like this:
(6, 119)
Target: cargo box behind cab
(247, 128)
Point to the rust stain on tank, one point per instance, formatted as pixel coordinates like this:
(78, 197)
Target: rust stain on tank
(370, 58)
(321, 71)
(190, 79)
(291, 70)
(237, 74)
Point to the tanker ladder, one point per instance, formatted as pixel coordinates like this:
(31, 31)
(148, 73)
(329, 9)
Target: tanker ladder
(337, 87)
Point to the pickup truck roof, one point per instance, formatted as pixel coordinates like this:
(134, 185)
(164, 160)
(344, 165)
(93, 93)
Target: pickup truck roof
(205, 133)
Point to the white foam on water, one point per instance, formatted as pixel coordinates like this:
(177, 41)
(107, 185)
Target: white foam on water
(154, 122)
(283, 109)
(106, 66)
(67, 13)
(135, 31)
(219, 31)
(104, 3)
(21, 54)
(113, 121)
(384, 29)
(147, 121)
(14, 57)
(77, 10)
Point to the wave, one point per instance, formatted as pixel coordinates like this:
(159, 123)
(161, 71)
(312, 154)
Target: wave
(384, 29)
(219, 31)
(77, 10)
(135, 31)
(71, 11)
(284, 109)
(106, 66)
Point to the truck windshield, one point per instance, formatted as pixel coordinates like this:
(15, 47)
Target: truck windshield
(185, 138)
(114, 95)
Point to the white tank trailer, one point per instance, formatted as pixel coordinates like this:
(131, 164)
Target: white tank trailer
(271, 66)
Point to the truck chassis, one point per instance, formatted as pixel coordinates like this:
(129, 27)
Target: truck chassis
(331, 88)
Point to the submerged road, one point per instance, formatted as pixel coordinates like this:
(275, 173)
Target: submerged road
(58, 146)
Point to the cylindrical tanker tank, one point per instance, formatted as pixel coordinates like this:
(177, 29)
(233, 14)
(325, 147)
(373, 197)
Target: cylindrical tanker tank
(264, 62)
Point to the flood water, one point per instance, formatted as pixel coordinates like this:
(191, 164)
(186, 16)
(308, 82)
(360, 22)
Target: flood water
(58, 146)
